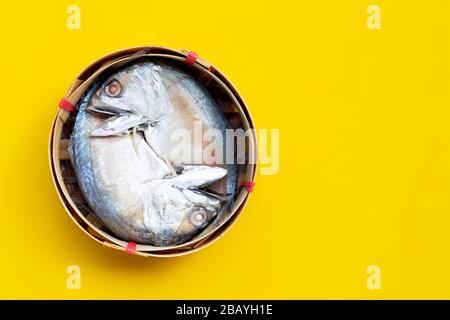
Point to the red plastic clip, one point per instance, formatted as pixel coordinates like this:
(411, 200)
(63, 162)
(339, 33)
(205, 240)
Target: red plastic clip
(191, 58)
(66, 105)
(248, 185)
(130, 248)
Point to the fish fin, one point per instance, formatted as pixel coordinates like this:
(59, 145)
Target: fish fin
(212, 194)
(103, 110)
(219, 194)
(201, 199)
(118, 125)
(198, 176)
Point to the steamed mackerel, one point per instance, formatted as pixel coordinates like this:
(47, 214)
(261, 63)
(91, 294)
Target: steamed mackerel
(122, 152)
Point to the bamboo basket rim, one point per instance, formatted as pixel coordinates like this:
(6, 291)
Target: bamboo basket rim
(76, 91)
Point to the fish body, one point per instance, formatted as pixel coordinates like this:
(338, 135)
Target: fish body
(121, 150)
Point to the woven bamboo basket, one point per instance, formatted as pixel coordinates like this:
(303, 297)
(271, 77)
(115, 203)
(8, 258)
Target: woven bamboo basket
(221, 89)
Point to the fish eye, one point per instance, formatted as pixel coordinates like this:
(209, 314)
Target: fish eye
(198, 217)
(113, 88)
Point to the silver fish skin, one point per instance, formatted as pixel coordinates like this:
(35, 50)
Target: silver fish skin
(123, 164)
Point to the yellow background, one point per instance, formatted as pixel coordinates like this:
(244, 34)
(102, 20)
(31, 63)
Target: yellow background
(364, 123)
